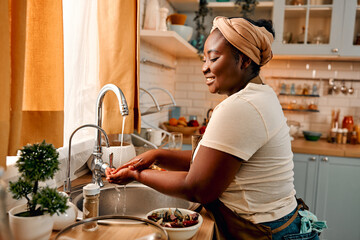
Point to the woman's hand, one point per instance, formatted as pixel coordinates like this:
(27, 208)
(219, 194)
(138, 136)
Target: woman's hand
(126, 172)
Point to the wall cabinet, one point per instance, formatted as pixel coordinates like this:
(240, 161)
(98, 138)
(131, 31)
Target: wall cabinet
(317, 27)
(302, 27)
(330, 186)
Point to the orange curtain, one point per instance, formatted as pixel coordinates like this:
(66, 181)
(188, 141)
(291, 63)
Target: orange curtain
(5, 80)
(32, 44)
(118, 61)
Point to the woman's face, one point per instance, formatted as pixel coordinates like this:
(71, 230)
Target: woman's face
(222, 72)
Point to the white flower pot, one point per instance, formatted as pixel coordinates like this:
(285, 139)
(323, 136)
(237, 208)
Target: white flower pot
(29, 228)
(65, 219)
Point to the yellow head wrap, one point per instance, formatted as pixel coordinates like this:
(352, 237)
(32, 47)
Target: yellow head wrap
(255, 42)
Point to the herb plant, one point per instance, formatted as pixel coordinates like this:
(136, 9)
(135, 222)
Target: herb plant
(38, 163)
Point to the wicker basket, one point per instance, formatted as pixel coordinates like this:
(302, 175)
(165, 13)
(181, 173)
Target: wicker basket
(186, 131)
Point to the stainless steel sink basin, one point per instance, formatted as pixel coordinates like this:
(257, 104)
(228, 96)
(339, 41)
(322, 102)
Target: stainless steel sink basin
(132, 200)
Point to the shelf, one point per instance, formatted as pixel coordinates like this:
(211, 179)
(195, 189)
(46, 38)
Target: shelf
(168, 41)
(230, 6)
(299, 95)
(193, 5)
(185, 5)
(300, 110)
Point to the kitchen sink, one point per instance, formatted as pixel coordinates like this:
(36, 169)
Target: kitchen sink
(134, 199)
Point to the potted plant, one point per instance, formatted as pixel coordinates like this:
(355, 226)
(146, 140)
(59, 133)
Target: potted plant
(37, 163)
(247, 6)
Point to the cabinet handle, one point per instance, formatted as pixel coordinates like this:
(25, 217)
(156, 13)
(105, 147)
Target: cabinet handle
(335, 50)
(312, 159)
(325, 159)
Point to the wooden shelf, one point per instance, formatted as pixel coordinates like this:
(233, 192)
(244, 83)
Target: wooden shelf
(168, 41)
(193, 5)
(299, 95)
(230, 6)
(185, 5)
(300, 110)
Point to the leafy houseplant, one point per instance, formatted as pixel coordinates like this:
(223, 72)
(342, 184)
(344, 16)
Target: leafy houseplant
(247, 6)
(200, 15)
(38, 163)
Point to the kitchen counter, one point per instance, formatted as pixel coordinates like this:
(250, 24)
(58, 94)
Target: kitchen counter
(322, 147)
(205, 232)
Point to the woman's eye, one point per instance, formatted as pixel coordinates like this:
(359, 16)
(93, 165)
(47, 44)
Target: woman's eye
(214, 59)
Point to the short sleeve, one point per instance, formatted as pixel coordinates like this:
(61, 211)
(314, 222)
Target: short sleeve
(236, 127)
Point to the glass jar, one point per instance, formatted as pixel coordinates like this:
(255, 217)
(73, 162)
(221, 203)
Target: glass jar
(348, 123)
(344, 136)
(339, 135)
(91, 194)
(333, 135)
(353, 139)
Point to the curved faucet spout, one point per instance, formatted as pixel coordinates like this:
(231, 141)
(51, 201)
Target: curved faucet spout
(67, 183)
(124, 110)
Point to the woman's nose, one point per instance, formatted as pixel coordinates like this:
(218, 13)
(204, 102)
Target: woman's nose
(205, 68)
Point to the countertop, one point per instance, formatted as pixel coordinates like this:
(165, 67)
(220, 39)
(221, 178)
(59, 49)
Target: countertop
(322, 147)
(205, 232)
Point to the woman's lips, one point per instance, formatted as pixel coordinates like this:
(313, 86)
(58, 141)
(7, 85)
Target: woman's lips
(209, 80)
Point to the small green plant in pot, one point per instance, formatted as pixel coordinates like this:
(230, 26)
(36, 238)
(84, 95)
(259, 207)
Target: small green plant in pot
(38, 163)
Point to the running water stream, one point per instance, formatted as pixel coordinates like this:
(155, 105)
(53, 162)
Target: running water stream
(121, 189)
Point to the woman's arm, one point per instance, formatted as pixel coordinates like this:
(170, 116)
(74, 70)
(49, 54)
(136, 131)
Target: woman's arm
(208, 177)
(173, 159)
(167, 159)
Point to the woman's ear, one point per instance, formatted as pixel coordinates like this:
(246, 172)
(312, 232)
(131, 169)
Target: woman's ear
(245, 61)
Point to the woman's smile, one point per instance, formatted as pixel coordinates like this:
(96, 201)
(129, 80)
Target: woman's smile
(210, 80)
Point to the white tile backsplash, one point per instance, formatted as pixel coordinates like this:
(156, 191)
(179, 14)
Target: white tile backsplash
(187, 84)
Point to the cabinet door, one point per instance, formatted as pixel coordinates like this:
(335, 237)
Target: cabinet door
(305, 175)
(305, 27)
(351, 34)
(338, 197)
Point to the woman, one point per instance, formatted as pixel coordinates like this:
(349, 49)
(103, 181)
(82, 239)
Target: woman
(241, 170)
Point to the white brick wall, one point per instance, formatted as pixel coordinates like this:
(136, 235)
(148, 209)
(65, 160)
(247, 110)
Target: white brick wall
(187, 84)
(197, 99)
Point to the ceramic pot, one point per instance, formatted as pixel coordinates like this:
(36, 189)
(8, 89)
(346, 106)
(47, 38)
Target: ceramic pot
(65, 219)
(121, 154)
(29, 228)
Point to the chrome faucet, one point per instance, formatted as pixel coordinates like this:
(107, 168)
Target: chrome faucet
(98, 167)
(67, 183)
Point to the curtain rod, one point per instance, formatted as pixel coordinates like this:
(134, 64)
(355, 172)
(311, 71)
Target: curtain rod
(146, 61)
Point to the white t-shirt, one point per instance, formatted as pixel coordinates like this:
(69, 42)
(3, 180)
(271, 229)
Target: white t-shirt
(250, 124)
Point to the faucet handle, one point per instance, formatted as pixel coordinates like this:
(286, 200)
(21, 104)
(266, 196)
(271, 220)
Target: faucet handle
(111, 156)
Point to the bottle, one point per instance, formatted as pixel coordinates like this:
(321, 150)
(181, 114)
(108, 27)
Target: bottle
(333, 135)
(91, 194)
(344, 136)
(339, 135)
(353, 139)
(5, 232)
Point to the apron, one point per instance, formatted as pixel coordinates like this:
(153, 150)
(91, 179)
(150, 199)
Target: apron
(229, 225)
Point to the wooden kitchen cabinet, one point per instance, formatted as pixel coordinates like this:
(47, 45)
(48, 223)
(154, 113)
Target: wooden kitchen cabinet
(316, 27)
(330, 186)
